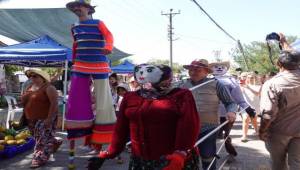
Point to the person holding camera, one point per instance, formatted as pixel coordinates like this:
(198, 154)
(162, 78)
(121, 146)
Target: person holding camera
(280, 106)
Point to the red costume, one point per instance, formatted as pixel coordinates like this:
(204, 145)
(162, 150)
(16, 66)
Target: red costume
(162, 122)
(157, 126)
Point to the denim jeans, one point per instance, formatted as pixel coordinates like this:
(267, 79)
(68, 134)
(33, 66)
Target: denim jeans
(208, 149)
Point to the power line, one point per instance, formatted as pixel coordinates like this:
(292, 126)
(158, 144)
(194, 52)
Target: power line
(230, 36)
(171, 14)
(213, 20)
(204, 39)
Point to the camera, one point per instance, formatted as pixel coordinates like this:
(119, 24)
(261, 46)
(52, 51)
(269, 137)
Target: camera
(273, 36)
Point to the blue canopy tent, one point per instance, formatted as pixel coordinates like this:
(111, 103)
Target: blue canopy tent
(41, 52)
(125, 68)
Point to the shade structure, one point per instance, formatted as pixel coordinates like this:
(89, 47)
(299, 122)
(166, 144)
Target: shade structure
(24, 25)
(125, 67)
(40, 52)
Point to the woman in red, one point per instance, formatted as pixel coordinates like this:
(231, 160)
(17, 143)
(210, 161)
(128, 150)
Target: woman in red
(162, 122)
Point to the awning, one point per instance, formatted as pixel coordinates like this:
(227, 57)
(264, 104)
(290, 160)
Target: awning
(27, 24)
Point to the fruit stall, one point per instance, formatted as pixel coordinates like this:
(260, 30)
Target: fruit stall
(14, 142)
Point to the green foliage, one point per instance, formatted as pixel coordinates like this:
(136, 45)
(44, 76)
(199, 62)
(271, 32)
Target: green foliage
(177, 68)
(257, 56)
(117, 62)
(10, 69)
(51, 71)
(3, 102)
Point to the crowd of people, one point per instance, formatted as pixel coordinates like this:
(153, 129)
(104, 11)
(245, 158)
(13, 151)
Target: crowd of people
(161, 121)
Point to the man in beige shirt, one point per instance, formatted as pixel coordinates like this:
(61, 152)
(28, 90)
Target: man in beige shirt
(280, 106)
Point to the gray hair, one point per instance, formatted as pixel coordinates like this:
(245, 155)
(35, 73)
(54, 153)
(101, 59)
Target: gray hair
(289, 60)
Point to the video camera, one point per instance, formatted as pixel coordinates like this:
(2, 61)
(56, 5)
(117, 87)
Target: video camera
(273, 36)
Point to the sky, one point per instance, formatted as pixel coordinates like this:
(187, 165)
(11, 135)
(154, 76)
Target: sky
(140, 29)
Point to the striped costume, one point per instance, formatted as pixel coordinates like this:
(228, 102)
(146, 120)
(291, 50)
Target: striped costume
(92, 41)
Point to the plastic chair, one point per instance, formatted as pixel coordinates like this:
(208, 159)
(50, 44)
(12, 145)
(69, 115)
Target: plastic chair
(12, 109)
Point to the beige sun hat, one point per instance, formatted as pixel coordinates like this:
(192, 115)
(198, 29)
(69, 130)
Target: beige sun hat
(224, 63)
(131, 79)
(244, 74)
(86, 3)
(40, 72)
(124, 85)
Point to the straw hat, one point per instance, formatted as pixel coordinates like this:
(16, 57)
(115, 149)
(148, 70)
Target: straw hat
(131, 79)
(244, 74)
(202, 63)
(123, 85)
(86, 3)
(39, 72)
(224, 63)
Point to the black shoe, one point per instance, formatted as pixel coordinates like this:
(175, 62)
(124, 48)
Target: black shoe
(95, 163)
(229, 147)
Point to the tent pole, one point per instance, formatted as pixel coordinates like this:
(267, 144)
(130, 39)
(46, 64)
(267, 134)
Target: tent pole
(65, 94)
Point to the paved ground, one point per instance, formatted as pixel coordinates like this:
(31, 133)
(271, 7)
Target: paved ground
(251, 156)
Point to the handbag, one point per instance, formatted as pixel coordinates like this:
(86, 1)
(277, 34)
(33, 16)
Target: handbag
(22, 124)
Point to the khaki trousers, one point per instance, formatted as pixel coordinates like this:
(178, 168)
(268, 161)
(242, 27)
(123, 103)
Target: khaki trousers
(284, 151)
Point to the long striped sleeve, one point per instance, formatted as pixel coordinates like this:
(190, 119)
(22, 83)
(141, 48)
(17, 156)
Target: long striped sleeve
(109, 40)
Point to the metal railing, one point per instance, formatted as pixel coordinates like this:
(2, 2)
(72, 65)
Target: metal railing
(223, 143)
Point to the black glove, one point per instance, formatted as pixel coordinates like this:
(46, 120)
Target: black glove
(251, 112)
(95, 163)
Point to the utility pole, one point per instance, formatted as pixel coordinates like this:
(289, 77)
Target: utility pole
(243, 54)
(217, 55)
(171, 14)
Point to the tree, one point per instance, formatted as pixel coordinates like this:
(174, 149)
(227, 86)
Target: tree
(257, 56)
(177, 68)
(10, 69)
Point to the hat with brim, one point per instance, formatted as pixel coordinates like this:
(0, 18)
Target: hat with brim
(223, 63)
(202, 63)
(39, 72)
(86, 3)
(131, 79)
(124, 86)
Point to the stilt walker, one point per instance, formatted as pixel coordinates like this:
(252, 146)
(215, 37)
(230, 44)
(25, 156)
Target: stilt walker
(92, 42)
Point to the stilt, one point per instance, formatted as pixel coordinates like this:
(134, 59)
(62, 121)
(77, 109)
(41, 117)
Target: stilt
(71, 165)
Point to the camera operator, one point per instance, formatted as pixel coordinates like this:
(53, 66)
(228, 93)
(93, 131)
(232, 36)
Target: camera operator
(280, 107)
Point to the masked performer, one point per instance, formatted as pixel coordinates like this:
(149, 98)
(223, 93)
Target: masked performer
(219, 70)
(92, 42)
(161, 121)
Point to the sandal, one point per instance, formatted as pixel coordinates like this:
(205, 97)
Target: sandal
(35, 164)
(119, 160)
(56, 145)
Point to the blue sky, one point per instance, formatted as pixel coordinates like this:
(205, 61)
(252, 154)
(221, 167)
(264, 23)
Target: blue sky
(140, 29)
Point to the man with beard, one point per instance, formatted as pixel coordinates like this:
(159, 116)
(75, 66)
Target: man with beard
(92, 42)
